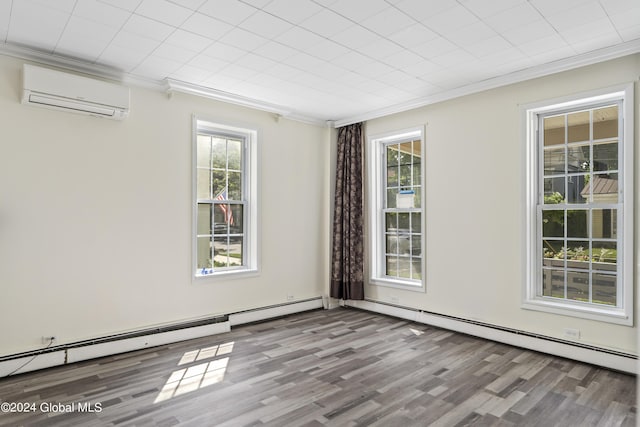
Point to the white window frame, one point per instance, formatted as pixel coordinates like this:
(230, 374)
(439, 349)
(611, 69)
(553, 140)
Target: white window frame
(532, 298)
(249, 167)
(377, 195)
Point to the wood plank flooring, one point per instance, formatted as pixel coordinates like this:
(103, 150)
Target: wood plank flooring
(341, 367)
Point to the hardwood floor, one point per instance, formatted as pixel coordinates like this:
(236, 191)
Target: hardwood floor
(340, 367)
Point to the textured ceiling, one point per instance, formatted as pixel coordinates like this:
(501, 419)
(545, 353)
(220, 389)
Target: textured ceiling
(321, 59)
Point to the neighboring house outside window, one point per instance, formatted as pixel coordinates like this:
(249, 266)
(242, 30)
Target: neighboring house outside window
(396, 208)
(225, 217)
(580, 217)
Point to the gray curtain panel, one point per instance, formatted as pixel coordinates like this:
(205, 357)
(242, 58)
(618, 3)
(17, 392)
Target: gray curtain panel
(347, 258)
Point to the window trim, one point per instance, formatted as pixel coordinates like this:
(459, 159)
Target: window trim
(376, 206)
(250, 189)
(623, 314)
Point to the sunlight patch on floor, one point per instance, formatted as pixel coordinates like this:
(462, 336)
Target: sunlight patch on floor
(197, 376)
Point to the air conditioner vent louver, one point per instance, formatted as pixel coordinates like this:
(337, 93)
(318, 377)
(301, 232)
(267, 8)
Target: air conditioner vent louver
(68, 92)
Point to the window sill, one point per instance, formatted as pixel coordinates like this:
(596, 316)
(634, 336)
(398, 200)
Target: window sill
(413, 286)
(608, 315)
(225, 275)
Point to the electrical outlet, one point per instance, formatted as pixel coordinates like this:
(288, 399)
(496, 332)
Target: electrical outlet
(290, 297)
(395, 300)
(49, 339)
(573, 334)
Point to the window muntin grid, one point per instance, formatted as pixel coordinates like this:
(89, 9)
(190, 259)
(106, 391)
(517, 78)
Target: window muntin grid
(221, 202)
(579, 205)
(402, 210)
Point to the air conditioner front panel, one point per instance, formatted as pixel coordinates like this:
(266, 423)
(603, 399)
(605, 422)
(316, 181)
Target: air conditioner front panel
(58, 102)
(70, 92)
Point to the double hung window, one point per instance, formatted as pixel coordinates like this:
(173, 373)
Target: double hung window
(224, 199)
(580, 239)
(397, 170)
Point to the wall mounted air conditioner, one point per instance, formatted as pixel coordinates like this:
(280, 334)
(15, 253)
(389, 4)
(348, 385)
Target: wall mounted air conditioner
(63, 91)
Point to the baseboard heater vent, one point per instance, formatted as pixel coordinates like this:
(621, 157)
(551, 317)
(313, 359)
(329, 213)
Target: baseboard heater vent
(273, 311)
(608, 358)
(145, 338)
(120, 337)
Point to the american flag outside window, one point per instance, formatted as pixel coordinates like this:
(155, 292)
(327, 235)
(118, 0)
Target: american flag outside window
(226, 209)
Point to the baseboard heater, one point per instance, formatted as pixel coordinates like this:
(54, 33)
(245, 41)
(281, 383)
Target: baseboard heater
(611, 359)
(144, 338)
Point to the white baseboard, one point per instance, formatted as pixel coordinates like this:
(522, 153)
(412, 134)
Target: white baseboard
(71, 353)
(31, 363)
(275, 311)
(76, 354)
(595, 356)
(332, 303)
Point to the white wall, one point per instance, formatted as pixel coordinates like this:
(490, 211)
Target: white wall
(95, 217)
(474, 204)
